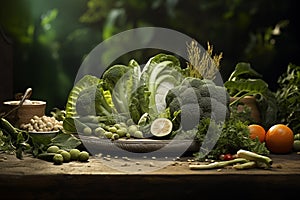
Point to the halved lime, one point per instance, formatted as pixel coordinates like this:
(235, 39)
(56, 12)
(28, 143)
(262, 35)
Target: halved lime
(161, 127)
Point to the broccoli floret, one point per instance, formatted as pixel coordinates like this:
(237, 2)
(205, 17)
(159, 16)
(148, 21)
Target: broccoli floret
(206, 103)
(192, 82)
(220, 94)
(189, 96)
(220, 111)
(190, 116)
(198, 99)
(203, 91)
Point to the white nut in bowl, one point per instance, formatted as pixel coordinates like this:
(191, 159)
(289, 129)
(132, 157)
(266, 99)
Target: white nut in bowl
(26, 112)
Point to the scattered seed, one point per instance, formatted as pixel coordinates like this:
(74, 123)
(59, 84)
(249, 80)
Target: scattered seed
(125, 158)
(124, 165)
(106, 158)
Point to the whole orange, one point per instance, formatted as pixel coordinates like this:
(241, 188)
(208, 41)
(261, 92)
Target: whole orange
(257, 131)
(279, 139)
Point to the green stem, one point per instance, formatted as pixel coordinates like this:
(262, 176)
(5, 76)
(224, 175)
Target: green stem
(239, 98)
(220, 164)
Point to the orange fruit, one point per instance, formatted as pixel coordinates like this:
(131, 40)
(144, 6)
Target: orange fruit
(257, 131)
(279, 139)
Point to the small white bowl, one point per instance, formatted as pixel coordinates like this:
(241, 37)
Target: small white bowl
(49, 134)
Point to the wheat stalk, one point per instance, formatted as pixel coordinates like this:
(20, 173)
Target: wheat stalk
(201, 63)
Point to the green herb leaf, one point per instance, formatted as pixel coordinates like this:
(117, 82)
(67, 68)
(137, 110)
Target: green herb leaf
(244, 70)
(65, 141)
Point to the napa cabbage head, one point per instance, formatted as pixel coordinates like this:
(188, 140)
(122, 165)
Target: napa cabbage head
(160, 74)
(122, 81)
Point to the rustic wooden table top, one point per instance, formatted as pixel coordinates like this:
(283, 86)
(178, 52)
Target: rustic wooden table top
(114, 177)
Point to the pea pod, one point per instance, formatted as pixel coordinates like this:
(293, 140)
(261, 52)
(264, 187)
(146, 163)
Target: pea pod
(9, 128)
(46, 156)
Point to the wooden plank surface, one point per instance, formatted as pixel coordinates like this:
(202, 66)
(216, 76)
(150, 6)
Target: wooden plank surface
(102, 178)
(109, 164)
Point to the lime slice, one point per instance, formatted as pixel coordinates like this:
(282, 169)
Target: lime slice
(161, 127)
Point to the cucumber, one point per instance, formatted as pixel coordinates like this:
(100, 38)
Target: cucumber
(46, 156)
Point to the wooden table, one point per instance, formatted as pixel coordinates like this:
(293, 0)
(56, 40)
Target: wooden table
(102, 178)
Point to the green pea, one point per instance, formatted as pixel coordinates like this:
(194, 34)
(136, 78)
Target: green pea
(83, 156)
(99, 131)
(74, 154)
(108, 134)
(66, 156)
(87, 131)
(132, 129)
(52, 149)
(112, 129)
(58, 159)
(122, 132)
(138, 134)
(115, 136)
(118, 126)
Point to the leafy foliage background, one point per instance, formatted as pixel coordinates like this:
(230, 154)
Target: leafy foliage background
(51, 38)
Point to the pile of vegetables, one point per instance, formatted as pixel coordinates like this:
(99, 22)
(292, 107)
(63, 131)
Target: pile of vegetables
(245, 81)
(18, 141)
(126, 100)
(164, 100)
(124, 94)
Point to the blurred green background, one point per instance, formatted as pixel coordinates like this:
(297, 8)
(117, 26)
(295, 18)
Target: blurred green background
(50, 38)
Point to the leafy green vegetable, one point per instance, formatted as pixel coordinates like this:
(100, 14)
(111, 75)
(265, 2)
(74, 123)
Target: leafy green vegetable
(13, 139)
(122, 81)
(245, 81)
(65, 141)
(161, 73)
(243, 70)
(124, 92)
(139, 103)
(135, 92)
(246, 87)
(88, 97)
(232, 136)
(288, 97)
